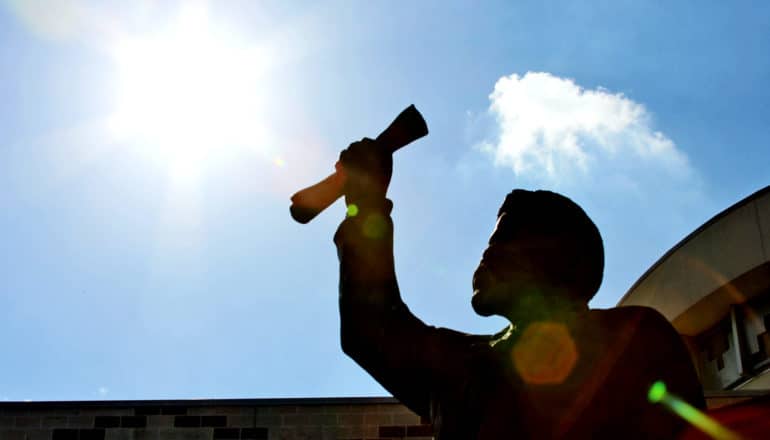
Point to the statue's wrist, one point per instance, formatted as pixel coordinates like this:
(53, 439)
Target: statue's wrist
(370, 204)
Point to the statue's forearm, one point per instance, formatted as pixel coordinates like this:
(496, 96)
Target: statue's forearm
(368, 289)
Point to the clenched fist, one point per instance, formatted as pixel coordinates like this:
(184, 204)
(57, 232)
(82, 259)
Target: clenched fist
(367, 168)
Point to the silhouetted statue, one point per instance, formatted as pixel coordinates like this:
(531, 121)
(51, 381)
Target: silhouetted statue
(559, 370)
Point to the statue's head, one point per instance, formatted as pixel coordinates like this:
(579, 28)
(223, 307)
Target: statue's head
(544, 251)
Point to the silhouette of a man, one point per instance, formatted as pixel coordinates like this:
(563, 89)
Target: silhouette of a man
(560, 370)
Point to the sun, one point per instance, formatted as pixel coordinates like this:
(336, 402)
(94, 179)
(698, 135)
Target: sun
(187, 93)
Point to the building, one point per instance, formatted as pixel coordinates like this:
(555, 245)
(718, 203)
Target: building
(221, 419)
(714, 287)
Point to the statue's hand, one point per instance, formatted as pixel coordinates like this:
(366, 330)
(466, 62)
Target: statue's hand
(367, 168)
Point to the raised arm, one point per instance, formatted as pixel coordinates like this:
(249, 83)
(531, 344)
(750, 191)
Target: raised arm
(378, 331)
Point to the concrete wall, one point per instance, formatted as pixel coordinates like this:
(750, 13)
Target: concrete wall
(253, 419)
(246, 419)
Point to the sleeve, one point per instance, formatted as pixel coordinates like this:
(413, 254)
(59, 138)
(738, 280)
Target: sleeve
(407, 357)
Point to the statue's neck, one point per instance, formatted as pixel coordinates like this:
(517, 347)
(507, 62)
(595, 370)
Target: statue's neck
(545, 306)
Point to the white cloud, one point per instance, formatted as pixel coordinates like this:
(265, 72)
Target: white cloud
(552, 129)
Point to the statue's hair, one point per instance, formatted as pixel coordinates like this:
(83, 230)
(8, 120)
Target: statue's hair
(576, 260)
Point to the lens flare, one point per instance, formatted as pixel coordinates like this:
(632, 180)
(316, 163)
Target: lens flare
(375, 226)
(545, 353)
(659, 394)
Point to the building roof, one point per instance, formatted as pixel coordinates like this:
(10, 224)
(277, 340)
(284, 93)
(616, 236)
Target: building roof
(725, 261)
(193, 403)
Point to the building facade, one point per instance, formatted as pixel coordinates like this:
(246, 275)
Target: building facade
(246, 419)
(714, 287)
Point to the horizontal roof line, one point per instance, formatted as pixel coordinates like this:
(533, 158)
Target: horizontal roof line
(202, 402)
(309, 401)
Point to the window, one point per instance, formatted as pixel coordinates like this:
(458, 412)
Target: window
(718, 356)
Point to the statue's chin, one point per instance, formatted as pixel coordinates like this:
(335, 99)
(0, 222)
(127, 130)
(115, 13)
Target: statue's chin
(480, 306)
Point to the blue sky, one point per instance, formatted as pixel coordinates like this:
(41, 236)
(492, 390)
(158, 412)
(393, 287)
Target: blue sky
(148, 151)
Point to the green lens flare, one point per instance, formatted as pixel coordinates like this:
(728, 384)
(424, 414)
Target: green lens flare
(352, 210)
(657, 392)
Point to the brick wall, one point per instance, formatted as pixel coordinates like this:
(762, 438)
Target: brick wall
(253, 419)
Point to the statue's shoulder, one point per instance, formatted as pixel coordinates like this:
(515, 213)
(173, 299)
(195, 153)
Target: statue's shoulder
(467, 339)
(637, 327)
(471, 348)
(631, 315)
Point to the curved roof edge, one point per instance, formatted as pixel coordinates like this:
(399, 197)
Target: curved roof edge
(755, 195)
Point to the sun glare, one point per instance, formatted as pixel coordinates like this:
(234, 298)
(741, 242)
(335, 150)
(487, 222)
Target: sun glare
(186, 93)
